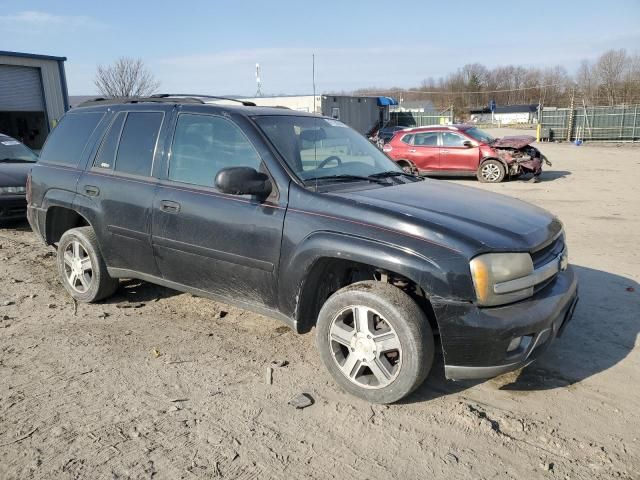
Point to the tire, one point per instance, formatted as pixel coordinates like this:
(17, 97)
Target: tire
(403, 361)
(407, 167)
(81, 268)
(491, 171)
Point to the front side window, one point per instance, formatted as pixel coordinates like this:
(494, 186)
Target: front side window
(67, 141)
(205, 144)
(316, 147)
(426, 139)
(452, 140)
(138, 143)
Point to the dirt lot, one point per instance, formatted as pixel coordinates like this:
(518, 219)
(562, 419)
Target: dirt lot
(158, 384)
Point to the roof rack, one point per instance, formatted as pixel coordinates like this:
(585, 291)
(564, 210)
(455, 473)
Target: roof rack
(246, 103)
(161, 98)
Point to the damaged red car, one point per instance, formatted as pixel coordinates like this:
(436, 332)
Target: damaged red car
(461, 150)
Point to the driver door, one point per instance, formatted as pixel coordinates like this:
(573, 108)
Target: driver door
(456, 156)
(228, 245)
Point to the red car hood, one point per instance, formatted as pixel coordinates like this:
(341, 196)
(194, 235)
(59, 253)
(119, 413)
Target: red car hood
(513, 142)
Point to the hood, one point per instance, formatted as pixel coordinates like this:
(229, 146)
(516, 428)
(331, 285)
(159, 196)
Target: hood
(472, 219)
(14, 174)
(513, 142)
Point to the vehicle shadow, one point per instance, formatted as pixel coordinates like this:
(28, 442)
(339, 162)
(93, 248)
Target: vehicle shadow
(19, 225)
(133, 292)
(546, 176)
(601, 334)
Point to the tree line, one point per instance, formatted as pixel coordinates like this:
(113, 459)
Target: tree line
(612, 79)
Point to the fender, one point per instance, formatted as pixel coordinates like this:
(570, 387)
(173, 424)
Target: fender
(439, 273)
(489, 157)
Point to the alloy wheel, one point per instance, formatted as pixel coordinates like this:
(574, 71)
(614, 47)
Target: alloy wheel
(78, 270)
(365, 347)
(490, 172)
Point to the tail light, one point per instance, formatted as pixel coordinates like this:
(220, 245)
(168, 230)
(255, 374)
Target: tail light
(28, 188)
(387, 148)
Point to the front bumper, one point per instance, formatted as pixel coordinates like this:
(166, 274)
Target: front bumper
(12, 207)
(475, 340)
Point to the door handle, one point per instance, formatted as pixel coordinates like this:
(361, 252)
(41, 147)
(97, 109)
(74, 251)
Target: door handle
(444, 151)
(412, 151)
(169, 206)
(91, 190)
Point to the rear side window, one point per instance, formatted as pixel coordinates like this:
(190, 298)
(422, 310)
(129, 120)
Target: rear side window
(203, 145)
(427, 139)
(407, 139)
(67, 141)
(107, 153)
(138, 143)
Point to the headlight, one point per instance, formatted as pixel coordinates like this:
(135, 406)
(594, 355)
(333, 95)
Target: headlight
(12, 190)
(494, 268)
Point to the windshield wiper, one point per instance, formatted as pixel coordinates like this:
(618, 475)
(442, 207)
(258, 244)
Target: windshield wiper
(394, 173)
(345, 177)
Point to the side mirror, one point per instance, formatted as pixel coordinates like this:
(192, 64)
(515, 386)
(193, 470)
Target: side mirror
(468, 144)
(243, 181)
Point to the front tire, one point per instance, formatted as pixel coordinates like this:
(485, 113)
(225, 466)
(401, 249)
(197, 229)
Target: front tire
(375, 341)
(491, 171)
(81, 268)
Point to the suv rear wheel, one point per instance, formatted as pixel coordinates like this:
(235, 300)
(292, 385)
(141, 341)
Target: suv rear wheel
(375, 341)
(81, 268)
(491, 171)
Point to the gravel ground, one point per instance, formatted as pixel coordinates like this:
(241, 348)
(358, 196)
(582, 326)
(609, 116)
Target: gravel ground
(158, 384)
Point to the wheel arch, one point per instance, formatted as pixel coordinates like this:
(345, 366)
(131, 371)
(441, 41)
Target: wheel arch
(328, 261)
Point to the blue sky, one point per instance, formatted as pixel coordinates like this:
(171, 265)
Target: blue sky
(211, 47)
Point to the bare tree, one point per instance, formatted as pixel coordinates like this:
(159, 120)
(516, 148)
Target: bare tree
(610, 69)
(126, 77)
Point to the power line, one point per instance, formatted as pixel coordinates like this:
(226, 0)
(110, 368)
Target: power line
(480, 91)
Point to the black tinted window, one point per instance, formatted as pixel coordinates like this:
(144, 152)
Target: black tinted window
(427, 139)
(203, 145)
(452, 140)
(107, 153)
(67, 141)
(138, 142)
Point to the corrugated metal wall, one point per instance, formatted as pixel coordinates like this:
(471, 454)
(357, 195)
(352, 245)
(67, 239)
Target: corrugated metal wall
(51, 83)
(618, 123)
(360, 113)
(421, 119)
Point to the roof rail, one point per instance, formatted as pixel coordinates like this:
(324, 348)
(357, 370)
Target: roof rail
(161, 98)
(116, 101)
(174, 95)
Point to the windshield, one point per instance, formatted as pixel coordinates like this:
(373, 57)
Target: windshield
(13, 151)
(317, 148)
(479, 135)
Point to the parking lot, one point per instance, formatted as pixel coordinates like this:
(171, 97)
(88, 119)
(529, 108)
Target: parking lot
(155, 383)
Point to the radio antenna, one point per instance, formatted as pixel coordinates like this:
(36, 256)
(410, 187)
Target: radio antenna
(313, 79)
(258, 81)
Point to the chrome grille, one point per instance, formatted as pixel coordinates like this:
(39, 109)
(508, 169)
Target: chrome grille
(545, 254)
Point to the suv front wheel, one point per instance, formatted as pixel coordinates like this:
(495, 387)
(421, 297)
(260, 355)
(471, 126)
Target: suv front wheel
(375, 341)
(491, 171)
(81, 268)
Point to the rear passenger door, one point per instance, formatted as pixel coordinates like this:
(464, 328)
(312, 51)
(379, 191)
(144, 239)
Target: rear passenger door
(426, 152)
(119, 185)
(227, 245)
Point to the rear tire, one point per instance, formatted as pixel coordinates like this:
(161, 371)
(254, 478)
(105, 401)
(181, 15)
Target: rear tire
(375, 341)
(491, 171)
(81, 268)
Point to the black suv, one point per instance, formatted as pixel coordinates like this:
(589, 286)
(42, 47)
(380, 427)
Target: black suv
(300, 218)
